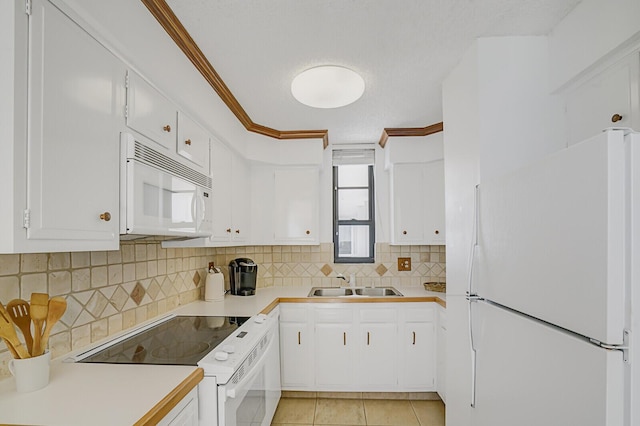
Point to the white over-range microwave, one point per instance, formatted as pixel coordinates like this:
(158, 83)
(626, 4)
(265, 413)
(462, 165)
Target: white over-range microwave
(159, 195)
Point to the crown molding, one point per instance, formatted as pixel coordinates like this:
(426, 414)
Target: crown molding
(179, 34)
(410, 131)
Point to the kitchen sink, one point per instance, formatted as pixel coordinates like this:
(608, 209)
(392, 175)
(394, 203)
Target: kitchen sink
(354, 292)
(377, 291)
(330, 292)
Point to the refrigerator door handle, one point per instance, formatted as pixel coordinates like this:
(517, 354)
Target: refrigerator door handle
(474, 243)
(472, 298)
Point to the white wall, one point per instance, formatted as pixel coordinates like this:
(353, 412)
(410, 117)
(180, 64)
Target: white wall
(591, 31)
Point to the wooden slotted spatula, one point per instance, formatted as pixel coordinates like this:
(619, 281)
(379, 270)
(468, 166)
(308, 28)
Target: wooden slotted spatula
(8, 333)
(57, 306)
(39, 310)
(19, 312)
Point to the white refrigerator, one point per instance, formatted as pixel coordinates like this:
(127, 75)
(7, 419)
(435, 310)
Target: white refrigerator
(554, 275)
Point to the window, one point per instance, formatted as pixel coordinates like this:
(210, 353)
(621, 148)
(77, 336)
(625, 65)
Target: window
(353, 201)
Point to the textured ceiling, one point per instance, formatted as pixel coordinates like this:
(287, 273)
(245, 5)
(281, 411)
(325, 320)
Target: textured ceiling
(402, 48)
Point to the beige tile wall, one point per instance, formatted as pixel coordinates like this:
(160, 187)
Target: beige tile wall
(108, 292)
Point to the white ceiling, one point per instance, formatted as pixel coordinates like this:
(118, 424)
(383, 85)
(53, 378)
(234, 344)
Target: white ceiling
(402, 48)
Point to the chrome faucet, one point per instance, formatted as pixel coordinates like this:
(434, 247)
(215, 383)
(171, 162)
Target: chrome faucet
(351, 280)
(342, 277)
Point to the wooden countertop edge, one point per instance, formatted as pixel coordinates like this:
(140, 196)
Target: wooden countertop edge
(162, 408)
(405, 299)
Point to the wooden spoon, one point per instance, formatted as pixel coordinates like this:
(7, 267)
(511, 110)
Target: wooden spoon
(19, 312)
(8, 334)
(57, 306)
(39, 310)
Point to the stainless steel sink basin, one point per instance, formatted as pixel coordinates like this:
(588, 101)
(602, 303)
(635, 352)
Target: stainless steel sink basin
(354, 292)
(377, 291)
(330, 292)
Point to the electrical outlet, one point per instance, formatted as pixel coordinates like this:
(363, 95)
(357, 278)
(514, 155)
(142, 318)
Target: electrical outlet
(404, 264)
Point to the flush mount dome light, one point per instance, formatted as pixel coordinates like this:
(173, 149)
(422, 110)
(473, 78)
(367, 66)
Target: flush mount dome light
(327, 86)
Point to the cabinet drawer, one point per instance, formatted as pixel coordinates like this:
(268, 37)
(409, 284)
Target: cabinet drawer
(378, 315)
(333, 315)
(419, 315)
(293, 314)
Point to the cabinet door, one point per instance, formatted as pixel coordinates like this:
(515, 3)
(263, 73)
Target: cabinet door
(150, 113)
(221, 173)
(408, 203)
(76, 100)
(296, 205)
(296, 344)
(335, 344)
(378, 360)
(240, 200)
(442, 355)
(590, 108)
(193, 143)
(434, 199)
(418, 367)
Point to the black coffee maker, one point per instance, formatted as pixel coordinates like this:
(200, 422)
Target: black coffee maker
(243, 274)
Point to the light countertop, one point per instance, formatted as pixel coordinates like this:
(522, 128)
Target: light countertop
(108, 394)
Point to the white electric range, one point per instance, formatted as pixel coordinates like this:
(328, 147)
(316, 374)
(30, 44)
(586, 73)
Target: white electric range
(240, 357)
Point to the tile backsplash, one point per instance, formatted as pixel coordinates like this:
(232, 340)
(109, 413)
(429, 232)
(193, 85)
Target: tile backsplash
(110, 291)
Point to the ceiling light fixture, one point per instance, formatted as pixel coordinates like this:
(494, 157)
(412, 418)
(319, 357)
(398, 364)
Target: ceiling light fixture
(327, 86)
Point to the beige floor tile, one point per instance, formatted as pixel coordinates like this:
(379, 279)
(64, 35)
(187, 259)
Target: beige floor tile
(291, 424)
(295, 410)
(381, 412)
(339, 412)
(430, 413)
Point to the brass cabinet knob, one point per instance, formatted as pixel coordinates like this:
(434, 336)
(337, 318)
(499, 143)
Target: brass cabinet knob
(187, 142)
(615, 118)
(404, 232)
(237, 231)
(167, 128)
(308, 232)
(106, 216)
(229, 230)
(437, 232)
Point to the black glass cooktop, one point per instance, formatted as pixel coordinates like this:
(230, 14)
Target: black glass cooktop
(182, 340)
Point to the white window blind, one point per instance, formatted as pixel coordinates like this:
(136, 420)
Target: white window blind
(347, 157)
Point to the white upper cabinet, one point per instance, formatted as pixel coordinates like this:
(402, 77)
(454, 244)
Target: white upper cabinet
(221, 201)
(296, 205)
(609, 99)
(69, 189)
(417, 203)
(152, 115)
(193, 142)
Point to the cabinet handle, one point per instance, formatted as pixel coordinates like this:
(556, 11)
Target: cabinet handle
(106, 216)
(308, 232)
(167, 128)
(298, 337)
(187, 142)
(615, 118)
(344, 338)
(237, 231)
(404, 232)
(229, 230)
(414, 337)
(437, 232)
(368, 338)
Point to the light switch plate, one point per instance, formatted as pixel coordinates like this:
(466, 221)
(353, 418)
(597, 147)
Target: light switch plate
(404, 264)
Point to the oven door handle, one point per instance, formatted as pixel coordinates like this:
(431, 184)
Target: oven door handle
(255, 369)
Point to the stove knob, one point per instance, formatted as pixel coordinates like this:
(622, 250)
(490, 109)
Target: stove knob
(222, 356)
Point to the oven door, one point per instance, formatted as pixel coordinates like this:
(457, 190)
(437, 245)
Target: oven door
(254, 399)
(159, 203)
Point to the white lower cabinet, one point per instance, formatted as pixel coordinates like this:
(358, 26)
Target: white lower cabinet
(358, 347)
(441, 364)
(335, 343)
(185, 413)
(296, 347)
(418, 340)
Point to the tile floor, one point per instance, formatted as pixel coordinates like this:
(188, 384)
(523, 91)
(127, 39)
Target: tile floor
(320, 411)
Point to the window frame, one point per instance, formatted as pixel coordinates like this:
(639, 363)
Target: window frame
(370, 222)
